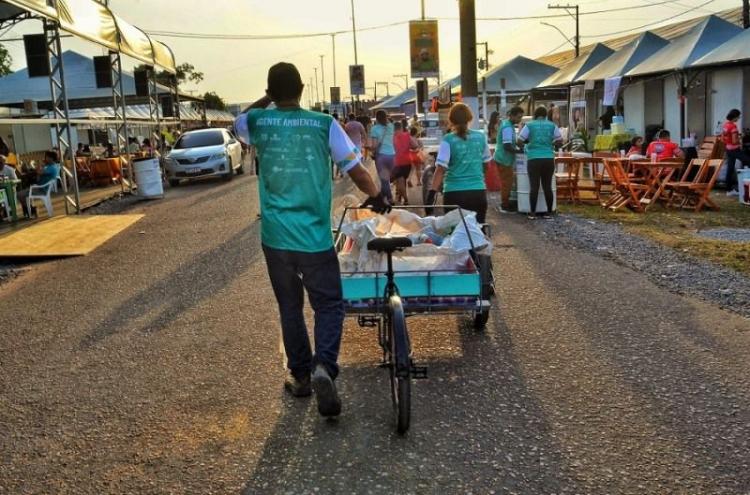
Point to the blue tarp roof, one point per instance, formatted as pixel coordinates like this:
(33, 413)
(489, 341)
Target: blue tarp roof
(626, 57)
(578, 66)
(520, 74)
(683, 51)
(80, 83)
(736, 49)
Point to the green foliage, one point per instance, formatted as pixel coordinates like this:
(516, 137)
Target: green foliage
(5, 61)
(214, 101)
(184, 72)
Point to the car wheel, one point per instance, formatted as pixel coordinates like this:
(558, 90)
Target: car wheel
(174, 182)
(229, 175)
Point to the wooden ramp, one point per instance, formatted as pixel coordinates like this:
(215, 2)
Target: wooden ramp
(64, 236)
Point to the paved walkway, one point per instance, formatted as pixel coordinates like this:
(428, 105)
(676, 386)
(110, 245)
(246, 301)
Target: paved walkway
(153, 366)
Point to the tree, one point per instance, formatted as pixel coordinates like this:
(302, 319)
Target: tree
(214, 101)
(184, 72)
(5, 61)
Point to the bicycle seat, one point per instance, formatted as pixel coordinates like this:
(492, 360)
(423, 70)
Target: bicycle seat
(388, 244)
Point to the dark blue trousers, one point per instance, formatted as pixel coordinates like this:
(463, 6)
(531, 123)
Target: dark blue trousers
(291, 273)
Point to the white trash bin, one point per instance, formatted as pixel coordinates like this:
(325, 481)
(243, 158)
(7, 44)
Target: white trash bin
(523, 187)
(148, 178)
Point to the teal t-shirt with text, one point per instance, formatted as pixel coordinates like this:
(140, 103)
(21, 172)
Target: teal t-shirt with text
(464, 161)
(294, 149)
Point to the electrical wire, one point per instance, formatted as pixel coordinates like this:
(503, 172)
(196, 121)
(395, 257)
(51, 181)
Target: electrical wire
(251, 37)
(637, 28)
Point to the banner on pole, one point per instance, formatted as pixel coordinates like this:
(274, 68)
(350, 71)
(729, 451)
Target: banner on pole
(335, 94)
(444, 94)
(357, 79)
(423, 48)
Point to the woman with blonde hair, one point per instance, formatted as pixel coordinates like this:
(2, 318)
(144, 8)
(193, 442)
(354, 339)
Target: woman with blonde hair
(461, 161)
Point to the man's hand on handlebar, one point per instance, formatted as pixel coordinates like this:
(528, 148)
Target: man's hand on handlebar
(378, 204)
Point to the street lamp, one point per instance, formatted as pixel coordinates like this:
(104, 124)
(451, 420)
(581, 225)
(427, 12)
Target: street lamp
(405, 77)
(559, 31)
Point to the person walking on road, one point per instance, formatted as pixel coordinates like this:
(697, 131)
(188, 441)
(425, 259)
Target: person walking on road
(505, 155)
(731, 137)
(295, 147)
(461, 159)
(356, 131)
(402, 142)
(540, 136)
(381, 145)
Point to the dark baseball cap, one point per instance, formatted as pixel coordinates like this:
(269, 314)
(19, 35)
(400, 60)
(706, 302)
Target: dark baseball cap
(284, 82)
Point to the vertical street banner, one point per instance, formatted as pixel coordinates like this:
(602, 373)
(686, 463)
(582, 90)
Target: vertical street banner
(423, 49)
(611, 88)
(357, 79)
(335, 94)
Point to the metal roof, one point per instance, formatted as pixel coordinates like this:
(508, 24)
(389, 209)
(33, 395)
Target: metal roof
(668, 32)
(734, 50)
(683, 51)
(95, 22)
(520, 74)
(627, 57)
(397, 100)
(80, 83)
(578, 66)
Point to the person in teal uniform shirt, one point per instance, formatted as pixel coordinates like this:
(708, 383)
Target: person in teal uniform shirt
(461, 160)
(294, 147)
(540, 136)
(46, 175)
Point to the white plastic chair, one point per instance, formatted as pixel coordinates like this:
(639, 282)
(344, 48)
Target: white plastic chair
(43, 193)
(55, 183)
(4, 201)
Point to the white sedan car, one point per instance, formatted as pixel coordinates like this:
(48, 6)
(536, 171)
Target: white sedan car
(204, 153)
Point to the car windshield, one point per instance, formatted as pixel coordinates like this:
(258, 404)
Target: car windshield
(199, 140)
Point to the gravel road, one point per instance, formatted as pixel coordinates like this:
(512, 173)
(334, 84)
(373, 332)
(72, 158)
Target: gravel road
(153, 366)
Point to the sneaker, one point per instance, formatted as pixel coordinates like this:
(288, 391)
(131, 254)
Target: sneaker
(503, 210)
(297, 387)
(325, 392)
(548, 216)
(531, 216)
(733, 193)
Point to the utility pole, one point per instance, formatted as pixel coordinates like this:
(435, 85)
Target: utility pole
(468, 25)
(486, 64)
(405, 77)
(387, 90)
(425, 79)
(323, 79)
(354, 37)
(333, 42)
(317, 94)
(567, 8)
(309, 94)
(746, 14)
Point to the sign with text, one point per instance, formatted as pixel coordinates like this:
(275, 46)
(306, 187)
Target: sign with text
(335, 94)
(423, 49)
(611, 88)
(357, 79)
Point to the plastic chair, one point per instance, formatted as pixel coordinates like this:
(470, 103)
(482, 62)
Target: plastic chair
(4, 201)
(43, 193)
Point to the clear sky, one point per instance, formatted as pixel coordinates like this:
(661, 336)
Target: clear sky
(236, 69)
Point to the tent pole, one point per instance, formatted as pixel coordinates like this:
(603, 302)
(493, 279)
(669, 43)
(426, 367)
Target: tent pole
(121, 119)
(682, 97)
(61, 110)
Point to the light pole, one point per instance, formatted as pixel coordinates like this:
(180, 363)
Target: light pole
(333, 42)
(354, 37)
(567, 8)
(387, 90)
(317, 93)
(323, 79)
(468, 25)
(559, 31)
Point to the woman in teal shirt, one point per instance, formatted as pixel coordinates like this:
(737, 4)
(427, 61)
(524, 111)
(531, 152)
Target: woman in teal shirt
(540, 136)
(461, 162)
(381, 137)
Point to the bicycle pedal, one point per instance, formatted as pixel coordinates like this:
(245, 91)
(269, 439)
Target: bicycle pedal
(419, 372)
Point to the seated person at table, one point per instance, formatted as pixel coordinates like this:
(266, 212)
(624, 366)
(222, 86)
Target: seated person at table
(48, 173)
(86, 150)
(110, 151)
(79, 151)
(133, 146)
(7, 171)
(636, 148)
(664, 148)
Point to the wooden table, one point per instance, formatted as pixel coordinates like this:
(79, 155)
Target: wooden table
(106, 171)
(659, 173)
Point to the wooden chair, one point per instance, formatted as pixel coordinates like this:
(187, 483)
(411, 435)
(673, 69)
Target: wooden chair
(567, 181)
(692, 174)
(598, 180)
(697, 195)
(712, 147)
(626, 193)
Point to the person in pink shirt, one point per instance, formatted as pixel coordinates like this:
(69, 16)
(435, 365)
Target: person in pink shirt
(402, 162)
(730, 134)
(356, 131)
